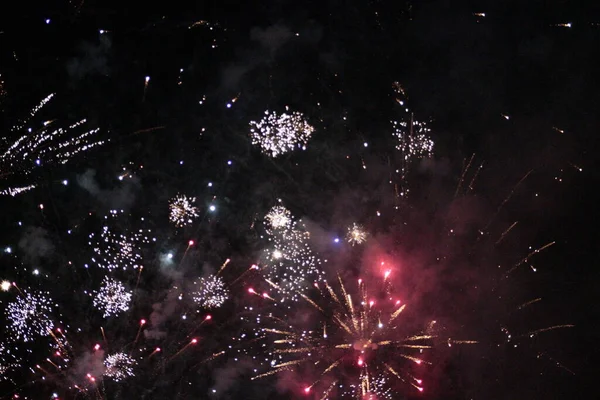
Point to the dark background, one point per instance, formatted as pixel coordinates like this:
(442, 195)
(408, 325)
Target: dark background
(463, 71)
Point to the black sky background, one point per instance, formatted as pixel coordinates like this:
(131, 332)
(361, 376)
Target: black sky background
(463, 71)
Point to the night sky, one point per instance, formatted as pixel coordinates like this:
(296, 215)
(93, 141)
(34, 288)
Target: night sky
(173, 88)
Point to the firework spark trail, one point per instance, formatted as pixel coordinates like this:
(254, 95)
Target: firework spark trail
(558, 364)
(550, 328)
(528, 303)
(43, 146)
(463, 174)
(506, 232)
(531, 254)
(507, 199)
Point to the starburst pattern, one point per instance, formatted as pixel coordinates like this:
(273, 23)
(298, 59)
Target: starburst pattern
(211, 292)
(182, 210)
(113, 298)
(30, 316)
(278, 217)
(119, 366)
(356, 327)
(277, 134)
(356, 234)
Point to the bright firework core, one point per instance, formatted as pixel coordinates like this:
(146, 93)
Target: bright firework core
(356, 234)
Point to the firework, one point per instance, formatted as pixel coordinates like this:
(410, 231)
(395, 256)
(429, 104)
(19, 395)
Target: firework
(211, 292)
(279, 217)
(182, 211)
(356, 234)
(5, 286)
(290, 261)
(119, 366)
(413, 139)
(29, 316)
(113, 298)
(2, 91)
(277, 134)
(43, 146)
(117, 250)
(359, 343)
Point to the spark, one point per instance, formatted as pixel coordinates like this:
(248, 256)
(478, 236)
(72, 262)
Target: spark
(182, 210)
(113, 298)
(277, 134)
(5, 286)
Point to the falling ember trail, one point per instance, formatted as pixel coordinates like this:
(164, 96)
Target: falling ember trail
(137, 336)
(507, 199)
(192, 342)
(531, 254)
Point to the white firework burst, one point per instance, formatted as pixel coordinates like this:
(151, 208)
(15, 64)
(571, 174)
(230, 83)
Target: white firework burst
(29, 316)
(370, 388)
(119, 366)
(279, 217)
(182, 210)
(118, 250)
(113, 298)
(290, 262)
(211, 293)
(413, 139)
(356, 234)
(277, 134)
